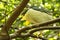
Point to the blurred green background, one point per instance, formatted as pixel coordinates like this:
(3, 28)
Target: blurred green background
(51, 7)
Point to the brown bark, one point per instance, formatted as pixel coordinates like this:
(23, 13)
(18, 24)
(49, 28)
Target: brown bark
(14, 15)
(39, 25)
(4, 32)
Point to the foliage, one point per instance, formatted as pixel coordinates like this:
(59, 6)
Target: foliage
(7, 7)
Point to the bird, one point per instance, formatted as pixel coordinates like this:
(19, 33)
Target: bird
(35, 16)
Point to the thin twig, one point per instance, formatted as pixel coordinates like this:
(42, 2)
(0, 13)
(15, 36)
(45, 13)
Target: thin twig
(34, 30)
(43, 28)
(39, 25)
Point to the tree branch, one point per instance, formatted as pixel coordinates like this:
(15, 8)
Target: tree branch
(26, 35)
(43, 28)
(29, 34)
(15, 14)
(39, 25)
(36, 26)
(4, 32)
